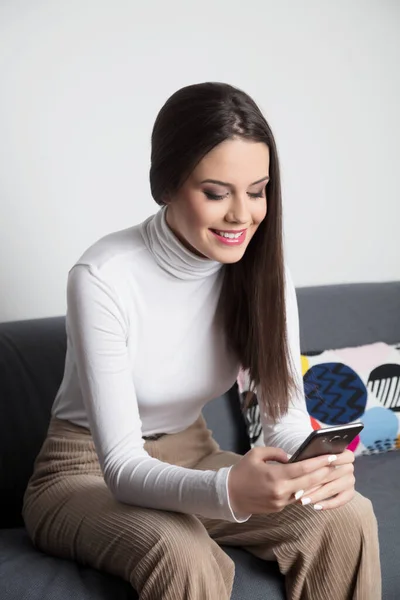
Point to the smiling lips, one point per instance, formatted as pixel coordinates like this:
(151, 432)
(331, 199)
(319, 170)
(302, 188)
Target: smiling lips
(230, 237)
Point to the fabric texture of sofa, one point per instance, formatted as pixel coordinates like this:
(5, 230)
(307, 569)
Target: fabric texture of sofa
(31, 367)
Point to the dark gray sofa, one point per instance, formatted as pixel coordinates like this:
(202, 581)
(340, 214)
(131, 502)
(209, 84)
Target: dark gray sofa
(31, 368)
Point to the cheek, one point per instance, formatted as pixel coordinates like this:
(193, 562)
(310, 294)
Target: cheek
(203, 216)
(190, 216)
(198, 220)
(260, 212)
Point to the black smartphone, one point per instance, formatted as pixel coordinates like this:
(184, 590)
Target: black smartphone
(328, 440)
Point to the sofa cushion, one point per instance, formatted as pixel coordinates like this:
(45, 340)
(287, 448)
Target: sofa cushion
(32, 355)
(339, 316)
(377, 478)
(28, 574)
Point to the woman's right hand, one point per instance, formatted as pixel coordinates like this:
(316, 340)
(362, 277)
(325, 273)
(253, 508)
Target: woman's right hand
(257, 486)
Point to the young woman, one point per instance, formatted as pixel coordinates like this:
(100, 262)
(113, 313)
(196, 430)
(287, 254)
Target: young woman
(160, 318)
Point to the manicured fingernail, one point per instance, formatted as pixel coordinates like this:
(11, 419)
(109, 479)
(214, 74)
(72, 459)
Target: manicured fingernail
(299, 494)
(332, 458)
(305, 501)
(318, 506)
(289, 456)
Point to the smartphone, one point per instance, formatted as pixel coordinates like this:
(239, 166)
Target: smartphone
(328, 440)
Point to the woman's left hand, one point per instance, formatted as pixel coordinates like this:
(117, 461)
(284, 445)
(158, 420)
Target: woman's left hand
(338, 487)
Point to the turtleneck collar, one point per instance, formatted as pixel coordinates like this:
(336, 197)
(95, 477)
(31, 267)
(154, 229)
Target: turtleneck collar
(169, 252)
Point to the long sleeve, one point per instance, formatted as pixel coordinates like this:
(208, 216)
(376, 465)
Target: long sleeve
(292, 429)
(97, 327)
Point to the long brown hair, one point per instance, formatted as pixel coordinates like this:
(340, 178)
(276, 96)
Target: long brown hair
(252, 303)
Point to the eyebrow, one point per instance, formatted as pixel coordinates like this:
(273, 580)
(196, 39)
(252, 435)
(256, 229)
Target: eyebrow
(230, 184)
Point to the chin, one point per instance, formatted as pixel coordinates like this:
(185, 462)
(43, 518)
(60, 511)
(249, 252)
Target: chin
(229, 258)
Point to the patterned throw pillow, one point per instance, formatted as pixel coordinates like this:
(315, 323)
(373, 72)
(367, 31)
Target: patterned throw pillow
(347, 385)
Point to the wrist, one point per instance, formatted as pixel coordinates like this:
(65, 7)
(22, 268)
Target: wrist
(238, 515)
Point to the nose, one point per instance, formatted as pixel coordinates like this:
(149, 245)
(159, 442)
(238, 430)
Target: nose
(238, 210)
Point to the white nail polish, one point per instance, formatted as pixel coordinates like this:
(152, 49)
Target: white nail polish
(299, 494)
(332, 458)
(305, 501)
(318, 506)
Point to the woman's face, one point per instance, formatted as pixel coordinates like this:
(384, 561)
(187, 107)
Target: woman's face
(219, 207)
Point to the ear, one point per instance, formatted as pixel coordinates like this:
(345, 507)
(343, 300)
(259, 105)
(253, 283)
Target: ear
(166, 199)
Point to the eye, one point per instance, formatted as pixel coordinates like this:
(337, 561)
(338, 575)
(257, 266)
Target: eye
(211, 196)
(259, 195)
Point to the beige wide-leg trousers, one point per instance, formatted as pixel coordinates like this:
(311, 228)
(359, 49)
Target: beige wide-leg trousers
(69, 512)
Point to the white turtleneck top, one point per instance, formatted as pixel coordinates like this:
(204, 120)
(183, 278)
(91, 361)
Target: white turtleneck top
(144, 356)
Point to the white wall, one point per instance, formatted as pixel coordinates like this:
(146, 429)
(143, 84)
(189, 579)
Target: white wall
(81, 83)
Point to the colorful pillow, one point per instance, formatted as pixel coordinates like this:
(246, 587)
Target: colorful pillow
(347, 385)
